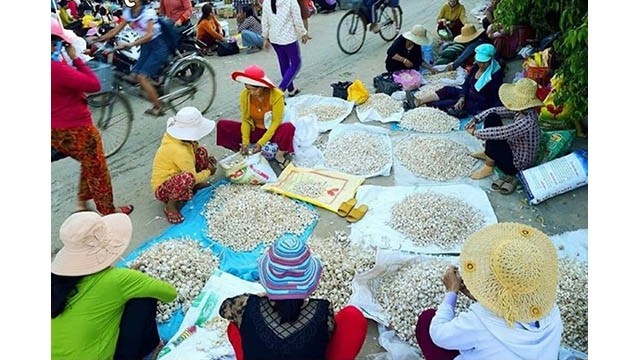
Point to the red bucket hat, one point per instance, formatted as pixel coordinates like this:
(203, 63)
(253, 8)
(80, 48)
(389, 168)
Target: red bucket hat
(253, 75)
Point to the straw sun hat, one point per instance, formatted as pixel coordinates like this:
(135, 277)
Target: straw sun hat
(519, 96)
(91, 242)
(512, 269)
(253, 75)
(467, 34)
(288, 270)
(417, 35)
(189, 124)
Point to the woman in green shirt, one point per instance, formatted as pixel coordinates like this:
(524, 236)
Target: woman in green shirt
(100, 312)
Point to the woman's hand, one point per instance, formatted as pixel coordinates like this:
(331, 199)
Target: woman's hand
(213, 164)
(452, 280)
(244, 149)
(408, 63)
(257, 148)
(71, 51)
(459, 104)
(266, 44)
(305, 38)
(471, 126)
(449, 67)
(121, 46)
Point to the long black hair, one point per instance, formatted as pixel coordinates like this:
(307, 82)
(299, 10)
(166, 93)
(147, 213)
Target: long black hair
(289, 310)
(63, 288)
(273, 6)
(248, 12)
(207, 10)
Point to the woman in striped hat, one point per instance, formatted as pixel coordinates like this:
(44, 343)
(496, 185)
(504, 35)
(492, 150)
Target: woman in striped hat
(286, 324)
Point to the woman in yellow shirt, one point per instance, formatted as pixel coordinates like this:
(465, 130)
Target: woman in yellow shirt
(262, 111)
(451, 18)
(209, 30)
(181, 166)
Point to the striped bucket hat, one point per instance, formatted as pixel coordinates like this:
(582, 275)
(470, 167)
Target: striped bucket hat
(288, 270)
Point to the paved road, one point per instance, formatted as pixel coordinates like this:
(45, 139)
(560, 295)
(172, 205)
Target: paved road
(323, 64)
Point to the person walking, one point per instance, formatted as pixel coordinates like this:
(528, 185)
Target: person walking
(179, 11)
(281, 27)
(72, 129)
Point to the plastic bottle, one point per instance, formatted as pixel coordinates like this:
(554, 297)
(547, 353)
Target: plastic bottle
(427, 54)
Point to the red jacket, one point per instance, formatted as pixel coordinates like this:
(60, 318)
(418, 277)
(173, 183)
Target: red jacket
(68, 100)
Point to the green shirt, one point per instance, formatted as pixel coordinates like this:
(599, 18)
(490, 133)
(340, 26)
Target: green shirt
(88, 327)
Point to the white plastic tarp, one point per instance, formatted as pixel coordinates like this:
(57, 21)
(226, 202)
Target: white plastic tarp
(302, 101)
(461, 75)
(404, 176)
(373, 229)
(341, 129)
(200, 345)
(371, 114)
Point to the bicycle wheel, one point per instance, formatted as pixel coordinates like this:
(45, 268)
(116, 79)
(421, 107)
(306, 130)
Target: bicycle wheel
(112, 115)
(388, 26)
(351, 32)
(190, 82)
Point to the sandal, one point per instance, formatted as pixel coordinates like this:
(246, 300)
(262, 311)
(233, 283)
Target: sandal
(496, 185)
(357, 213)
(284, 163)
(173, 216)
(508, 186)
(155, 111)
(126, 209)
(293, 93)
(346, 207)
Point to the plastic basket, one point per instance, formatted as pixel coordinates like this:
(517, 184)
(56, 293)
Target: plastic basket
(104, 72)
(542, 75)
(350, 4)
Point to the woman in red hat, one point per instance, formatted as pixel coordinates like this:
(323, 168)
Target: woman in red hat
(262, 112)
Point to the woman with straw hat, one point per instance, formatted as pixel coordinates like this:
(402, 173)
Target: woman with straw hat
(479, 91)
(406, 53)
(285, 324)
(100, 312)
(511, 147)
(511, 271)
(262, 114)
(461, 51)
(181, 166)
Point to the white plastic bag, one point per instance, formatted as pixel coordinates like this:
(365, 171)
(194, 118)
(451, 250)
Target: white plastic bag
(253, 169)
(305, 153)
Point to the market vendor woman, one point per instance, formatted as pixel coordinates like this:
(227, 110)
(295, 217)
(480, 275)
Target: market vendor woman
(406, 52)
(262, 113)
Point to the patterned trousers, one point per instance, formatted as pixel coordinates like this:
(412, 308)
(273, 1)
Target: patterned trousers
(179, 187)
(84, 144)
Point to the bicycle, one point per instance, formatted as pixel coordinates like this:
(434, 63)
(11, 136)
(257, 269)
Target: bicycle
(187, 77)
(352, 28)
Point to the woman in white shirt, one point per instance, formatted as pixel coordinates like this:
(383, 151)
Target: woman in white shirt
(281, 27)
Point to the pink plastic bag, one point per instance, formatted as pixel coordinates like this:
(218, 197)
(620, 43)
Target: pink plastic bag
(410, 79)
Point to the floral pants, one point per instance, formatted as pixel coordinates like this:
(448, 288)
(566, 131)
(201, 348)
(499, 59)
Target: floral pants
(84, 144)
(179, 187)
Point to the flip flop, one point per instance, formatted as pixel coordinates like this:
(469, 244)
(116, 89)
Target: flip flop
(345, 207)
(508, 186)
(357, 213)
(173, 217)
(496, 185)
(126, 209)
(410, 100)
(284, 163)
(154, 111)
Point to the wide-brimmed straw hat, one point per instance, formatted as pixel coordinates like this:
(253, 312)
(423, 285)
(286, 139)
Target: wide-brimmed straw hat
(189, 124)
(57, 30)
(468, 34)
(511, 269)
(519, 96)
(418, 35)
(253, 75)
(91, 242)
(288, 270)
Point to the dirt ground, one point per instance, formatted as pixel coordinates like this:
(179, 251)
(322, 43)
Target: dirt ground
(323, 64)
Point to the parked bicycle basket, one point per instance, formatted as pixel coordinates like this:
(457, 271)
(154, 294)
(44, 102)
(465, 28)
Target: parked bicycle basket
(350, 4)
(104, 72)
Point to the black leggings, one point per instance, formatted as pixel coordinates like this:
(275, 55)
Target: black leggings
(499, 150)
(138, 330)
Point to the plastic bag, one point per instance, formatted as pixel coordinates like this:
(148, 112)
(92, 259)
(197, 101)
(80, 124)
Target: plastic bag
(384, 83)
(340, 89)
(253, 169)
(357, 92)
(305, 153)
(409, 79)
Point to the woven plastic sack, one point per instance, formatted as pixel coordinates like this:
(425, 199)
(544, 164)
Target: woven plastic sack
(253, 169)
(357, 92)
(410, 79)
